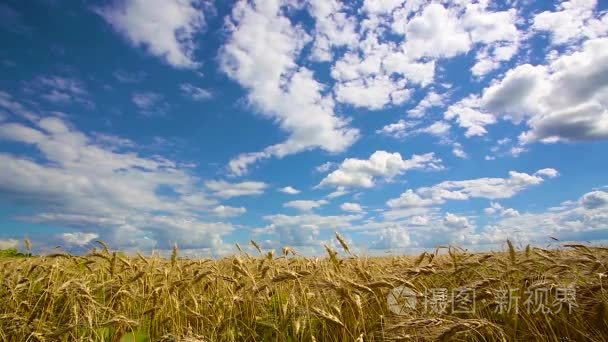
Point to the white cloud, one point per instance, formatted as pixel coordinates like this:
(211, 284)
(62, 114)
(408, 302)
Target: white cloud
(378, 72)
(399, 129)
(351, 207)
(78, 239)
(333, 28)
(496, 30)
(228, 211)
(8, 103)
(408, 212)
(340, 191)
(165, 28)
(595, 199)
(411, 199)
(225, 189)
(506, 147)
(381, 6)
(261, 54)
(570, 222)
(489, 27)
(372, 93)
(468, 115)
(436, 32)
(305, 205)
(571, 21)
(402, 129)
(437, 128)
(8, 243)
(421, 231)
(381, 164)
(239, 165)
(146, 232)
(122, 193)
(492, 188)
(100, 180)
(456, 222)
(458, 151)
(146, 100)
(565, 100)
(302, 230)
(548, 172)
(496, 209)
(196, 93)
(325, 167)
(391, 238)
(430, 100)
(289, 190)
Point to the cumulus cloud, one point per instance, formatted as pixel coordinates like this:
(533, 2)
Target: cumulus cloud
(392, 238)
(377, 74)
(289, 190)
(334, 28)
(372, 93)
(129, 200)
(402, 129)
(228, 211)
(468, 114)
(571, 21)
(595, 199)
(226, 189)
(436, 32)
(561, 101)
(301, 230)
(498, 33)
(399, 129)
(325, 167)
(378, 70)
(420, 231)
(456, 222)
(305, 205)
(458, 151)
(265, 46)
(437, 128)
(575, 222)
(78, 239)
(381, 164)
(381, 6)
(496, 209)
(260, 54)
(351, 207)
(146, 231)
(340, 191)
(491, 188)
(165, 28)
(430, 100)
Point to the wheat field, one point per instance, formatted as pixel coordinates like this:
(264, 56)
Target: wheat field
(107, 296)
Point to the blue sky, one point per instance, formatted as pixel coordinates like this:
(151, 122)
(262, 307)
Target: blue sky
(400, 124)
